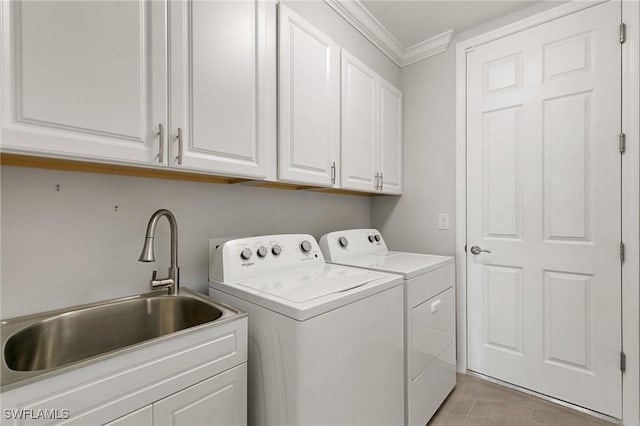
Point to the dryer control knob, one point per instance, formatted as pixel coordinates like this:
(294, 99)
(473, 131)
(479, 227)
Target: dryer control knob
(343, 242)
(246, 254)
(377, 237)
(262, 252)
(276, 250)
(371, 239)
(305, 246)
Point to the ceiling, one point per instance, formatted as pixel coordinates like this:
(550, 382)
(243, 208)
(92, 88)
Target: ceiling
(408, 31)
(411, 22)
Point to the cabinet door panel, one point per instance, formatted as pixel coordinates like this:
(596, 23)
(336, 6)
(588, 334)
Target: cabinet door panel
(220, 73)
(141, 417)
(84, 79)
(220, 400)
(309, 136)
(390, 138)
(359, 109)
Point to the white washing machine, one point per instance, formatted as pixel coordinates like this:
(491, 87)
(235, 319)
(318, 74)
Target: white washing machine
(429, 313)
(325, 341)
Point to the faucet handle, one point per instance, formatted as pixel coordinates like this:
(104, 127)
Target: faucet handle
(154, 274)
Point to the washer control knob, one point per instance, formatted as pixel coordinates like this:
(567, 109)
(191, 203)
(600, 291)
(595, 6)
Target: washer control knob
(377, 237)
(305, 246)
(276, 250)
(343, 242)
(246, 254)
(262, 252)
(371, 239)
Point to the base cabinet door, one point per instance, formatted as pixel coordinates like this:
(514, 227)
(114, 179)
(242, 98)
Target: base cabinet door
(220, 400)
(309, 103)
(84, 79)
(222, 114)
(141, 417)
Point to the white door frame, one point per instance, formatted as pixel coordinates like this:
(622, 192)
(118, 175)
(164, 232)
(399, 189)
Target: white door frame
(630, 189)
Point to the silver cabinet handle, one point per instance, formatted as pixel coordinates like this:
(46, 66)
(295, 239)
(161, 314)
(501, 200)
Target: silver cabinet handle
(381, 181)
(161, 144)
(333, 173)
(477, 250)
(377, 180)
(179, 138)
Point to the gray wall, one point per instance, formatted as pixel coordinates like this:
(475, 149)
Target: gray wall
(62, 248)
(411, 221)
(69, 247)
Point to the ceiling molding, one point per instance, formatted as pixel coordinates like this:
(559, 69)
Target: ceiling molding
(427, 48)
(362, 20)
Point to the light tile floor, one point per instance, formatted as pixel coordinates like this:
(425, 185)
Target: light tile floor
(479, 402)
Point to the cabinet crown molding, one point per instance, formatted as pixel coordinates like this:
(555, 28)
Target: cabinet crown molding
(362, 20)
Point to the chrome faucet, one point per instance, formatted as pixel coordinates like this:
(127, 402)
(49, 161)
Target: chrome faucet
(172, 282)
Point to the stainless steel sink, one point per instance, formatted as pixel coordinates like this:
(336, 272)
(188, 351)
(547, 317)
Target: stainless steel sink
(38, 344)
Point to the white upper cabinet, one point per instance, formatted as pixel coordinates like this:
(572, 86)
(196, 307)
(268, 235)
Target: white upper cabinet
(84, 79)
(222, 113)
(359, 98)
(371, 124)
(309, 103)
(390, 138)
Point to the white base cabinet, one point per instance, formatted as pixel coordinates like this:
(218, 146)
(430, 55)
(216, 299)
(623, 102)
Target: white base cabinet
(218, 401)
(196, 378)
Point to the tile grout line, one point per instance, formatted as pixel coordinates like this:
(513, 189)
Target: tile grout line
(473, 404)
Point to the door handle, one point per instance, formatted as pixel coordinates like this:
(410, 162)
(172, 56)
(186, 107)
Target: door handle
(477, 250)
(333, 173)
(377, 180)
(161, 144)
(179, 139)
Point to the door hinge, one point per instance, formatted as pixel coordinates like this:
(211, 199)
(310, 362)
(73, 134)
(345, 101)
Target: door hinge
(621, 252)
(623, 143)
(623, 362)
(623, 32)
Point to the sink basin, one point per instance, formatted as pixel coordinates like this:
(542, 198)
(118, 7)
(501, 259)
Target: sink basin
(40, 343)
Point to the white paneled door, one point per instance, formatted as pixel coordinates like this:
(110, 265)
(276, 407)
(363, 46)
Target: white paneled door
(543, 203)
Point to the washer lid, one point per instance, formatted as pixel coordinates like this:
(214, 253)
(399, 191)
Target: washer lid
(307, 292)
(307, 284)
(409, 265)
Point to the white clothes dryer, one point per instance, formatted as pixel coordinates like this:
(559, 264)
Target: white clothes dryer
(325, 341)
(429, 313)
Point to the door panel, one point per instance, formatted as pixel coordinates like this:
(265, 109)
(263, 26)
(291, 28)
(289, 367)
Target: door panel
(543, 118)
(359, 125)
(221, 92)
(75, 87)
(309, 103)
(390, 138)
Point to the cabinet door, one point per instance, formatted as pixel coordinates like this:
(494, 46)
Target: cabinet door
(390, 134)
(309, 103)
(220, 400)
(84, 79)
(141, 417)
(223, 83)
(359, 109)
